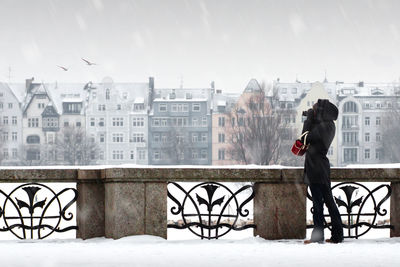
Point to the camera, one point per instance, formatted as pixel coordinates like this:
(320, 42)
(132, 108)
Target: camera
(305, 113)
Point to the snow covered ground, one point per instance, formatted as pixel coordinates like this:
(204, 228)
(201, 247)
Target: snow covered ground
(155, 251)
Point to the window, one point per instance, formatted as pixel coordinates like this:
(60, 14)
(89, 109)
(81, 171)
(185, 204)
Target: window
(40, 105)
(196, 107)
(367, 153)
(221, 154)
(66, 123)
(294, 90)
(180, 107)
(180, 122)
(221, 138)
(14, 136)
(378, 154)
(33, 155)
(350, 107)
(195, 154)
(1, 105)
(142, 154)
(118, 122)
(101, 122)
(118, 137)
(350, 138)
(162, 107)
(367, 105)
(14, 153)
(10, 105)
(367, 121)
(101, 155)
(5, 153)
(350, 155)
(78, 124)
(204, 137)
(138, 107)
(156, 155)
(5, 120)
(33, 122)
(378, 105)
(378, 137)
(92, 122)
(350, 122)
(366, 137)
(203, 154)
(156, 137)
(118, 107)
(195, 121)
(102, 107)
(163, 122)
(132, 154)
(138, 138)
(164, 138)
(102, 137)
(107, 94)
(137, 122)
(378, 121)
(5, 136)
(284, 90)
(195, 137)
(125, 95)
(204, 121)
(118, 154)
(14, 120)
(221, 121)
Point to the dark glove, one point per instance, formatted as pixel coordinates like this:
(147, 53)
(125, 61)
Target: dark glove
(309, 121)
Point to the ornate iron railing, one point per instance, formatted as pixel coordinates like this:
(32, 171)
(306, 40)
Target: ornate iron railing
(36, 208)
(210, 210)
(359, 204)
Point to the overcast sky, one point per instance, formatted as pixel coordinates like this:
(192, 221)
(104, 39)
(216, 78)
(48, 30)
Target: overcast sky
(225, 41)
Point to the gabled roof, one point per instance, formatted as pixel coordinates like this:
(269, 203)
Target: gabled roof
(252, 86)
(50, 111)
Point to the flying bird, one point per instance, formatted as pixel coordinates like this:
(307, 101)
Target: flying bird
(63, 68)
(88, 62)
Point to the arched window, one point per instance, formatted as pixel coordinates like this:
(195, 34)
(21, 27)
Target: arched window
(33, 139)
(350, 107)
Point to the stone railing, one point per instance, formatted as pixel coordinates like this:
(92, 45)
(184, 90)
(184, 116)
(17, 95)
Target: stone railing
(117, 202)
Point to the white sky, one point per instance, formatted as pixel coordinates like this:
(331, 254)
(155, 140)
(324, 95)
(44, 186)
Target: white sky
(226, 41)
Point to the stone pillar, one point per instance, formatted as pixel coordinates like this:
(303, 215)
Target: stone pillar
(280, 210)
(395, 209)
(135, 208)
(90, 204)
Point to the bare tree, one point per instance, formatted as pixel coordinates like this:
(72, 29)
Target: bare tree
(76, 147)
(257, 130)
(391, 135)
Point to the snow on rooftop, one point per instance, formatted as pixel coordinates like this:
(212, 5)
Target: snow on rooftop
(139, 100)
(155, 251)
(221, 103)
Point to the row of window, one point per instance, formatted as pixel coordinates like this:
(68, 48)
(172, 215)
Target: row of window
(10, 105)
(13, 120)
(136, 107)
(14, 153)
(352, 137)
(163, 107)
(14, 136)
(195, 154)
(120, 155)
(179, 122)
(350, 154)
(117, 122)
(195, 137)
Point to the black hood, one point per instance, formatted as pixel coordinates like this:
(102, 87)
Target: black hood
(326, 111)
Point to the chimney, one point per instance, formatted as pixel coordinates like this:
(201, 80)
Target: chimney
(28, 84)
(151, 92)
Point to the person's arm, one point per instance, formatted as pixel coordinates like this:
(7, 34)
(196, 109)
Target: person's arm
(309, 121)
(315, 135)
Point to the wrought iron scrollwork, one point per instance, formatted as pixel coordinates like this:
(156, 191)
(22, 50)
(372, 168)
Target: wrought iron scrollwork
(211, 210)
(36, 208)
(361, 206)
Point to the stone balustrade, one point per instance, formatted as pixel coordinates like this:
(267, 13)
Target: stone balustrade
(120, 201)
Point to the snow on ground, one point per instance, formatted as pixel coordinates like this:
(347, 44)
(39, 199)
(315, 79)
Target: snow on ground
(155, 251)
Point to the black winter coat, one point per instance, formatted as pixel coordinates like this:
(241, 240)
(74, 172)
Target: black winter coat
(321, 133)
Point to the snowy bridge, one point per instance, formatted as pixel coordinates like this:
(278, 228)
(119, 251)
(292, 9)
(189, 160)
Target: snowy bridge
(116, 202)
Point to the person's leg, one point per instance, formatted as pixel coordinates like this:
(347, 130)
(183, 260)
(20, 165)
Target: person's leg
(336, 221)
(318, 214)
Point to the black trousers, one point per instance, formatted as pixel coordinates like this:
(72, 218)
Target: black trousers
(321, 193)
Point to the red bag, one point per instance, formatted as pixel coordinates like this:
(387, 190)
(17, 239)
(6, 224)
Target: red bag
(298, 147)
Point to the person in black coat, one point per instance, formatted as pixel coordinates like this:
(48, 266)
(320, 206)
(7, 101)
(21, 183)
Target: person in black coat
(321, 131)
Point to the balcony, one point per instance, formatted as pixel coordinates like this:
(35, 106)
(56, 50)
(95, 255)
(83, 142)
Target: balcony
(354, 127)
(118, 202)
(350, 143)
